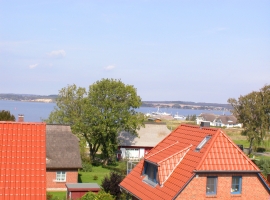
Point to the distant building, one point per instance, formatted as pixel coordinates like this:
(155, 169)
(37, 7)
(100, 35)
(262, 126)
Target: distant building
(133, 147)
(228, 121)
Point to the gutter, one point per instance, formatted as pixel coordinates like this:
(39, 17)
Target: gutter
(264, 181)
(184, 186)
(226, 171)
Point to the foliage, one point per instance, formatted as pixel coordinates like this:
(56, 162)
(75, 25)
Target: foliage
(86, 166)
(264, 165)
(111, 183)
(191, 118)
(6, 116)
(102, 195)
(99, 114)
(253, 111)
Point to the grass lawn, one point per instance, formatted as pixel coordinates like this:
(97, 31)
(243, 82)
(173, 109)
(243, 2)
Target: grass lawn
(58, 195)
(96, 176)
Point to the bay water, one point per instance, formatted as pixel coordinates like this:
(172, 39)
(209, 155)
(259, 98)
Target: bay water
(36, 111)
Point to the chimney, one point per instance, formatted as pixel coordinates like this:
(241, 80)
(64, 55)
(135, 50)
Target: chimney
(205, 124)
(20, 118)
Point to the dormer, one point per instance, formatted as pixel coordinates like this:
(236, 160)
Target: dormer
(159, 166)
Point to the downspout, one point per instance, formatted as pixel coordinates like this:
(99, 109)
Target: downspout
(263, 180)
(184, 186)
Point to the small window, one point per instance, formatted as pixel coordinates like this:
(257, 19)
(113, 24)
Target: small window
(198, 148)
(151, 171)
(60, 176)
(211, 185)
(236, 185)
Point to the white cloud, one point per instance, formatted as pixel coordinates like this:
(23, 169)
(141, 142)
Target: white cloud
(57, 54)
(33, 66)
(109, 67)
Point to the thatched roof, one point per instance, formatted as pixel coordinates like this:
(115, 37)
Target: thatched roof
(149, 136)
(62, 148)
(208, 116)
(227, 119)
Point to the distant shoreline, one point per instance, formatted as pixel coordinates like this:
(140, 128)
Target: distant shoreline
(155, 104)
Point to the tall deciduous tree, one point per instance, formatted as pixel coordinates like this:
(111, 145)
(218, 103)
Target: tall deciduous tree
(99, 114)
(253, 111)
(6, 116)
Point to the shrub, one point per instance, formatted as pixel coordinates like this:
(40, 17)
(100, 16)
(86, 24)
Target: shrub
(86, 166)
(95, 177)
(264, 165)
(102, 195)
(260, 149)
(111, 184)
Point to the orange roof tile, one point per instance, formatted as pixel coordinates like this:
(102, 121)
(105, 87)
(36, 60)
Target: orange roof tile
(218, 153)
(22, 160)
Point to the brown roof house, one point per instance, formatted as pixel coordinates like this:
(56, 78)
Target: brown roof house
(206, 117)
(62, 157)
(229, 121)
(133, 148)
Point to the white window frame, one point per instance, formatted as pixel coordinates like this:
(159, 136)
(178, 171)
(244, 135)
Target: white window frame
(61, 176)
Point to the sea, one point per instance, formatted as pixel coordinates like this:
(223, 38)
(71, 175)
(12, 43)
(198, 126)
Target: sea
(38, 111)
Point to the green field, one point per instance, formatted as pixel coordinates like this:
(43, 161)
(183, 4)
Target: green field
(96, 176)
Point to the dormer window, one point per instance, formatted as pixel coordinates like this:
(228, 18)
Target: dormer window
(205, 140)
(150, 170)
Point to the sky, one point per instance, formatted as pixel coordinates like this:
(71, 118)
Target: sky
(182, 50)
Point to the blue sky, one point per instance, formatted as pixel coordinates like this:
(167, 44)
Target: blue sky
(201, 51)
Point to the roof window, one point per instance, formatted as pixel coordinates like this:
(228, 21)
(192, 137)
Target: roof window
(205, 140)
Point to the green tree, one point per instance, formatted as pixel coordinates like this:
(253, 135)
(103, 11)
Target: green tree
(6, 116)
(99, 114)
(253, 111)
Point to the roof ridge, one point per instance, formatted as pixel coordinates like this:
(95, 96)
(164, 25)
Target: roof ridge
(208, 149)
(162, 150)
(175, 153)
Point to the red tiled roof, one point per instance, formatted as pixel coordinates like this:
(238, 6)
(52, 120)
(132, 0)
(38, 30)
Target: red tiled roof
(217, 151)
(224, 155)
(22, 161)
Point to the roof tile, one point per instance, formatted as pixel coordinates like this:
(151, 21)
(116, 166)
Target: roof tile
(22, 160)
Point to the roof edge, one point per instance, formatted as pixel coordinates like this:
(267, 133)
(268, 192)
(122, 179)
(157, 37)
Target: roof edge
(265, 182)
(227, 171)
(241, 152)
(184, 186)
(121, 187)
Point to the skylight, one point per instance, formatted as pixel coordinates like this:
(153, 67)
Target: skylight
(205, 140)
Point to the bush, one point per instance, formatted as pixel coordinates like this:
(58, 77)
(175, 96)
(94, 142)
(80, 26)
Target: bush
(111, 184)
(264, 165)
(86, 166)
(102, 195)
(260, 149)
